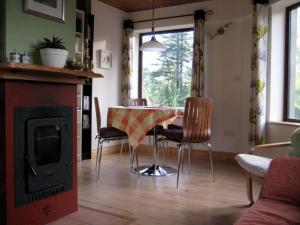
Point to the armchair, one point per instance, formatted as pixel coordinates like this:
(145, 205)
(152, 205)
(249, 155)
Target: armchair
(256, 166)
(279, 199)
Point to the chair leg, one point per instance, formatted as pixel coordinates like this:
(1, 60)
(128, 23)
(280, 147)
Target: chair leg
(156, 148)
(249, 189)
(100, 157)
(121, 150)
(150, 145)
(180, 156)
(164, 144)
(182, 161)
(132, 158)
(98, 146)
(129, 152)
(211, 161)
(166, 149)
(190, 150)
(137, 162)
(165, 152)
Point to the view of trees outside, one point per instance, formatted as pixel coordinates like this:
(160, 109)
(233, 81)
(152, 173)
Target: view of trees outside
(295, 65)
(167, 75)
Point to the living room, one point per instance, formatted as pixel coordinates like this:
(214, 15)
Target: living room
(93, 32)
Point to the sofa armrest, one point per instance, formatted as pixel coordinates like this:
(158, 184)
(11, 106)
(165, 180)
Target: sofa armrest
(282, 181)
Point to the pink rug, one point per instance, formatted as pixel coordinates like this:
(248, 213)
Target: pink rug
(86, 216)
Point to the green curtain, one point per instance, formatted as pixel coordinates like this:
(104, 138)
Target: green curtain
(257, 114)
(126, 60)
(198, 75)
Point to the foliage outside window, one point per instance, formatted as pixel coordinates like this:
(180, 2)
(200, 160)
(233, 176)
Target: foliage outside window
(292, 105)
(166, 76)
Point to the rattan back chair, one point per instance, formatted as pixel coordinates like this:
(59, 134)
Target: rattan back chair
(196, 129)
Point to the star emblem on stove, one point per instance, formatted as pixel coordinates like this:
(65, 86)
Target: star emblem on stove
(46, 210)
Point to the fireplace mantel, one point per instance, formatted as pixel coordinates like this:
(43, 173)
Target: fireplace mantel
(32, 72)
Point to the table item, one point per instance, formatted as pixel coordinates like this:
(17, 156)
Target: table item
(14, 57)
(25, 58)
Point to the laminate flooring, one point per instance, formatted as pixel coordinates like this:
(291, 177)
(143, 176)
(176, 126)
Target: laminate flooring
(156, 200)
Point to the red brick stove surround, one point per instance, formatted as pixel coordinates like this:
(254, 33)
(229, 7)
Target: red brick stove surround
(22, 91)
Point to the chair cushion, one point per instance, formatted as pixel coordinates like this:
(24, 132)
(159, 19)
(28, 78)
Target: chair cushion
(253, 164)
(158, 129)
(111, 132)
(270, 212)
(174, 126)
(172, 134)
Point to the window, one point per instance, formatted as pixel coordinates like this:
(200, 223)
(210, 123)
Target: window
(165, 77)
(292, 90)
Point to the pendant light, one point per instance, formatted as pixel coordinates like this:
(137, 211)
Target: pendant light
(153, 45)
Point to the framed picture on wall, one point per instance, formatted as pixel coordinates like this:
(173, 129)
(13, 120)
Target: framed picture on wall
(105, 59)
(51, 9)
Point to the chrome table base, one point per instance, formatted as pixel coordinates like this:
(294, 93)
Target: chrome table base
(149, 170)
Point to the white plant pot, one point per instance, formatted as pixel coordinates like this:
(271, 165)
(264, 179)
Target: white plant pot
(54, 57)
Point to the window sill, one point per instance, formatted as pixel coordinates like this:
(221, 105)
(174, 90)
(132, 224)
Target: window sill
(291, 124)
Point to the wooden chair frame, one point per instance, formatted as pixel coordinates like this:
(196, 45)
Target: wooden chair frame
(250, 177)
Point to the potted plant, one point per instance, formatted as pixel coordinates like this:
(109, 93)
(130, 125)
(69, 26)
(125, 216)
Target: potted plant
(53, 52)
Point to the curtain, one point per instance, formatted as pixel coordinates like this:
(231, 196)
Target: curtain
(126, 61)
(198, 73)
(257, 114)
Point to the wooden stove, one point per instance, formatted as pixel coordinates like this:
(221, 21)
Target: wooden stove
(38, 153)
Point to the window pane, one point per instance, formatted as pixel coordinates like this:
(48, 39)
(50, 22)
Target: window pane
(167, 75)
(294, 65)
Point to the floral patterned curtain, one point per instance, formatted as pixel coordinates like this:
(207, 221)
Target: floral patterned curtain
(126, 62)
(198, 75)
(257, 114)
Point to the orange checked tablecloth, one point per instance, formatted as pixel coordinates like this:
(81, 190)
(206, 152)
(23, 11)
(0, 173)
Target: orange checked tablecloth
(137, 121)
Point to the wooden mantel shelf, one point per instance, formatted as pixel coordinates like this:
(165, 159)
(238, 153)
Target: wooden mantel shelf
(31, 72)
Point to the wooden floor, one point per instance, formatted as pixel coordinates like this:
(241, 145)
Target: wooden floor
(155, 200)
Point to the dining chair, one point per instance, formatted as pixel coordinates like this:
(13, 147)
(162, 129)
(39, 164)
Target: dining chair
(105, 134)
(196, 129)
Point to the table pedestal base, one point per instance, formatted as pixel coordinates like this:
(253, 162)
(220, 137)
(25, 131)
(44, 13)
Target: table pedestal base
(150, 170)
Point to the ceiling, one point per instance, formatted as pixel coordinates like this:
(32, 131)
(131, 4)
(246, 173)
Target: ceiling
(138, 5)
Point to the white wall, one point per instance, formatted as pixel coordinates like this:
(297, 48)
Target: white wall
(107, 36)
(278, 132)
(223, 10)
(228, 64)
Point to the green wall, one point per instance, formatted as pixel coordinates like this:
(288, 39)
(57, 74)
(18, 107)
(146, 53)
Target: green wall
(2, 30)
(24, 31)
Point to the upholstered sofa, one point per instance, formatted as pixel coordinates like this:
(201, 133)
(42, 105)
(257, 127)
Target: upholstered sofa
(279, 199)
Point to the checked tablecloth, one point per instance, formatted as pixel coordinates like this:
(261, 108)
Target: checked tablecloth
(137, 121)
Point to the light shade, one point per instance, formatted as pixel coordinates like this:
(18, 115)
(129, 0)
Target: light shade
(152, 46)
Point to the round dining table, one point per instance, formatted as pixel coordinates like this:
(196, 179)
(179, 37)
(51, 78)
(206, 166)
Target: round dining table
(136, 121)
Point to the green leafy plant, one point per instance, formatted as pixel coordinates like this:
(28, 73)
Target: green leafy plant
(56, 43)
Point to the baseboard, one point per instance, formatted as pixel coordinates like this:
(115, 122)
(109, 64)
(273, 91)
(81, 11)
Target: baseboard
(172, 152)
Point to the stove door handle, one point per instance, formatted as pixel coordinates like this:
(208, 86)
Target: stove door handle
(30, 167)
(32, 170)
